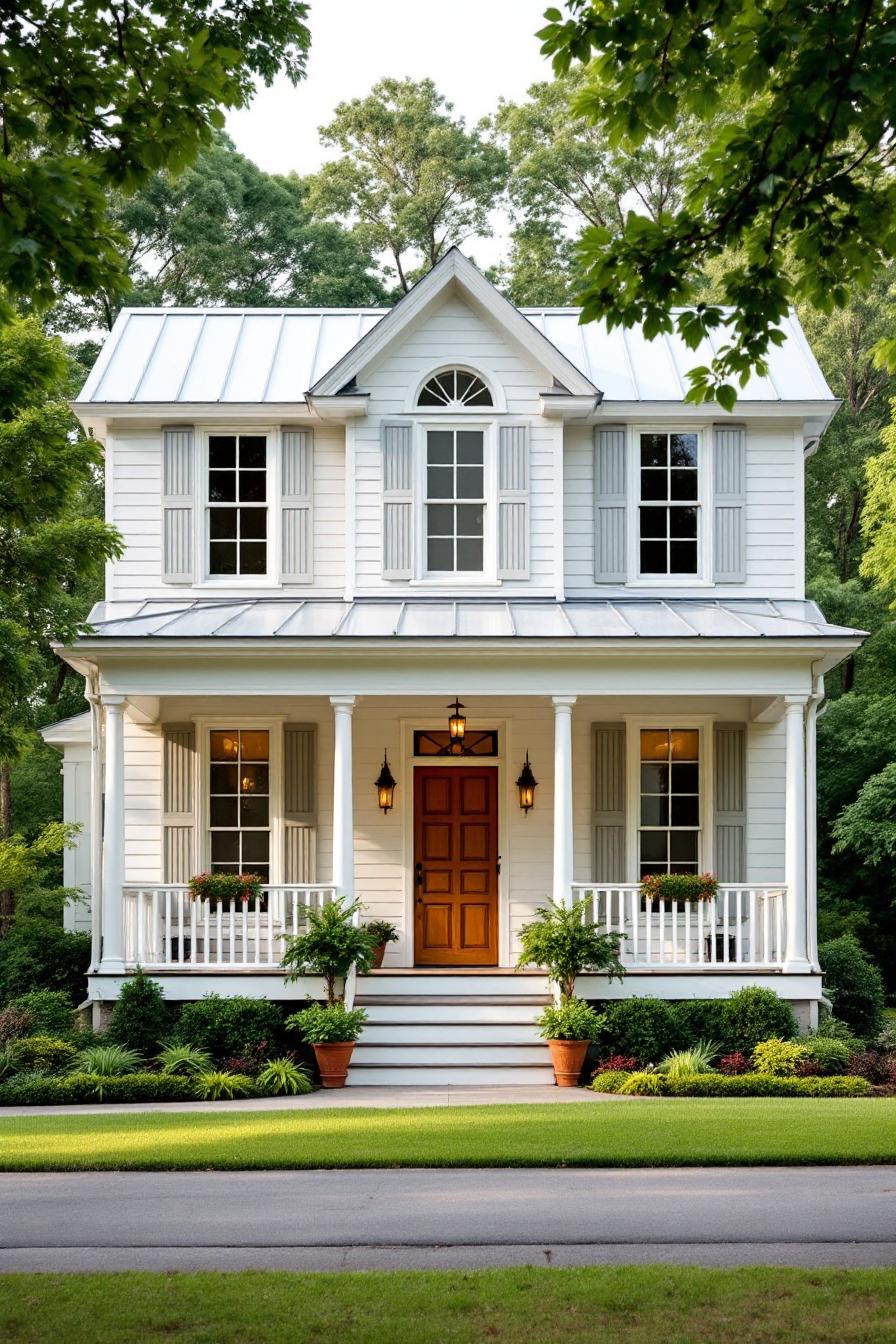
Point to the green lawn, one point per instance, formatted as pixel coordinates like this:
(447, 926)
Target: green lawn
(627, 1305)
(653, 1132)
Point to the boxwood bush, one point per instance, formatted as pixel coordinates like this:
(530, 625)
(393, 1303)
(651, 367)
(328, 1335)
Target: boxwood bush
(50, 1012)
(766, 1085)
(42, 1054)
(140, 1019)
(229, 1027)
(699, 1020)
(610, 1080)
(752, 1015)
(854, 985)
(645, 1028)
(78, 1088)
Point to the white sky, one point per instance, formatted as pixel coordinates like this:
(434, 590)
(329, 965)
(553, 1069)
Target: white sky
(475, 51)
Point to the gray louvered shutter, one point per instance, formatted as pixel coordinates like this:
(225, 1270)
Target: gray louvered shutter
(297, 488)
(609, 802)
(299, 809)
(398, 501)
(730, 757)
(609, 504)
(178, 802)
(513, 502)
(729, 504)
(177, 504)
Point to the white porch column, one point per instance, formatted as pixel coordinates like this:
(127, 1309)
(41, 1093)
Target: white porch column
(113, 838)
(563, 842)
(795, 950)
(343, 820)
(815, 700)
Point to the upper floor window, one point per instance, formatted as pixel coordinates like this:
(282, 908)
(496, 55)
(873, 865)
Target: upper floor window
(668, 506)
(455, 500)
(237, 504)
(455, 388)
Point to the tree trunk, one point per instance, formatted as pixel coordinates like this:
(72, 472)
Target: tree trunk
(7, 898)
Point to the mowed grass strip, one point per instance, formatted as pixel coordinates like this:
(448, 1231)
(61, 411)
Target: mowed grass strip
(628, 1305)
(654, 1132)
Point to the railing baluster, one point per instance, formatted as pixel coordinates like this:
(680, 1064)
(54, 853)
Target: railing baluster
(766, 948)
(206, 928)
(701, 940)
(256, 929)
(271, 957)
(738, 925)
(688, 954)
(725, 927)
(779, 927)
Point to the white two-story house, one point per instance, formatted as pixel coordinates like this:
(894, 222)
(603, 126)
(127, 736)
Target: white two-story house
(452, 538)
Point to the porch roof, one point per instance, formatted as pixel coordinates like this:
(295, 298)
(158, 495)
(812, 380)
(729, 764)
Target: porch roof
(286, 618)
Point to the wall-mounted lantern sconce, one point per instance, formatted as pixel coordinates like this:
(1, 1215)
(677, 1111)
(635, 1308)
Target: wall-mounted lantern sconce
(527, 784)
(457, 725)
(385, 786)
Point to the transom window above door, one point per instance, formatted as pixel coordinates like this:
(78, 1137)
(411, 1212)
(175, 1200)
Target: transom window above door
(669, 820)
(455, 500)
(669, 508)
(237, 504)
(455, 388)
(239, 801)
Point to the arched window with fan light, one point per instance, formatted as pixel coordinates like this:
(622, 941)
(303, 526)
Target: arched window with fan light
(455, 389)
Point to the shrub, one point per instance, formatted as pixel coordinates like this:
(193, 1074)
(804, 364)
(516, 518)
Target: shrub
(330, 947)
(684, 1063)
(107, 1061)
(220, 1086)
(831, 1056)
(566, 943)
(644, 1028)
(765, 1085)
(643, 1085)
(327, 1025)
(734, 1063)
(281, 1077)
(183, 1059)
(876, 1066)
(779, 1058)
(225, 1027)
(698, 1020)
(754, 1014)
(570, 1020)
(78, 1087)
(854, 984)
(830, 1028)
(40, 952)
(250, 1062)
(9, 1064)
(42, 1054)
(15, 1022)
(886, 1040)
(610, 1080)
(618, 1064)
(140, 1019)
(50, 1011)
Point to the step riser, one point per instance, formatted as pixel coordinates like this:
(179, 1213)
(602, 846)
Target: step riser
(449, 1077)
(444, 1055)
(441, 1016)
(451, 1033)
(477, 986)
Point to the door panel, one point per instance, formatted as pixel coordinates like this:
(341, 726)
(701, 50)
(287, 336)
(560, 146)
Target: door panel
(456, 865)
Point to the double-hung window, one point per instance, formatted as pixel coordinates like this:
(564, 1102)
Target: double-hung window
(669, 510)
(669, 801)
(237, 504)
(455, 500)
(239, 801)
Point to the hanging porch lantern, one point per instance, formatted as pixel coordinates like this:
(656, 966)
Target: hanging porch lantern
(457, 725)
(385, 786)
(527, 784)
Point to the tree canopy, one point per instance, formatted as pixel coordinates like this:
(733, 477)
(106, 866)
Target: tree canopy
(795, 188)
(96, 97)
(411, 179)
(223, 231)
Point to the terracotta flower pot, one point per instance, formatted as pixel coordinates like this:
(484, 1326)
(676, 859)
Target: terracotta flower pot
(333, 1060)
(378, 953)
(568, 1059)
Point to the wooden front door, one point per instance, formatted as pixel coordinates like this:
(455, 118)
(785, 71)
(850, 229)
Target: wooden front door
(456, 866)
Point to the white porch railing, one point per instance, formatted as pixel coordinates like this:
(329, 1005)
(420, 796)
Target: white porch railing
(165, 929)
(743, 926)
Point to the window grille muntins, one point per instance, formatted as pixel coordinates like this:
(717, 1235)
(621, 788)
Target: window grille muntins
(669, 801)
(455, 500)
(237, 504)
(455, 389)
(668, 504)
(239, 801)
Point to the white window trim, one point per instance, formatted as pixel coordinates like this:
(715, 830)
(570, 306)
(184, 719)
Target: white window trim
(633, 725)
(488, 575)
(499, 401)
(271, 576)
(703, 578)
(221, 723)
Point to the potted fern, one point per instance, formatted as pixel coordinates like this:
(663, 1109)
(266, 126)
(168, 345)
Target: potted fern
(565, 943)
(382, 933)
(330, 946)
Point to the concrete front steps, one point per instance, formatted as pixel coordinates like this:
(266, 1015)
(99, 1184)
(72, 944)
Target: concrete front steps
(450, 1029)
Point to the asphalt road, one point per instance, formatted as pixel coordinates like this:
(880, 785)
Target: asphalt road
(447, 1219)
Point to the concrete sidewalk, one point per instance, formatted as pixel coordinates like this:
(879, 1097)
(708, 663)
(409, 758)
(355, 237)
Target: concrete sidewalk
(342, 1098)
(445, 1219)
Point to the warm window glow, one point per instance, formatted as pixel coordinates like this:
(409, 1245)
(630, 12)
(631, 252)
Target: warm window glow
(239, 801)
(669, 822)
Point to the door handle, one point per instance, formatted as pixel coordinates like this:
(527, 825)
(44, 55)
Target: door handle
(498, 866)
(418, 874)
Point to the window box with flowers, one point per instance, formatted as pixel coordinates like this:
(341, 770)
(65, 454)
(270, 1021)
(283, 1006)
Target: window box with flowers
(679, 887)
(225, 887)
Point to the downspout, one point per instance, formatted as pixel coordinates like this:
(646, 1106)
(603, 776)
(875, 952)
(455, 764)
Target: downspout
(96, 818)
(814, 708)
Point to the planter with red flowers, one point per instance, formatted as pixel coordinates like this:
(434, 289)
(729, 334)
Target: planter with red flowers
(224, 887)
(679, 886)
